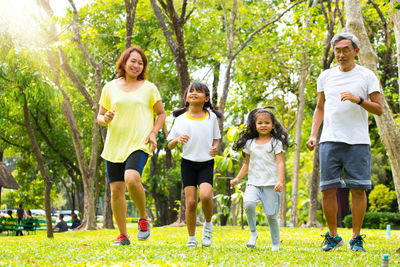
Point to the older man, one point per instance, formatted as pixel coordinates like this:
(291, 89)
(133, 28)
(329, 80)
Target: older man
(346, 93)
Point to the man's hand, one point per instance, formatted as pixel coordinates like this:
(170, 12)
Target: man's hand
(311, 143)
(234, 182)
(349, 96)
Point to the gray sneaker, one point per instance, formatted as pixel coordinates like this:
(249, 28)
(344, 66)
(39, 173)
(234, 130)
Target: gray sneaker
(206, 240)
(191, 244)
(121, 241)
(144, 230)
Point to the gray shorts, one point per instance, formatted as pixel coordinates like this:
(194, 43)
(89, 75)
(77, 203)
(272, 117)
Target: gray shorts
(270, 199)
(354, 161)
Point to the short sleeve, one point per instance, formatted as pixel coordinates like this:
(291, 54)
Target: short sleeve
(373, 83)
(278, 148)
(216, 132)
(155, 96)
(246, 148)
(105, 97)
(321, 81)
(173, 133)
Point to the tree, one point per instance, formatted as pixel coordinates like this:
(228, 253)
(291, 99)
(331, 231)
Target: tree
(388, 130)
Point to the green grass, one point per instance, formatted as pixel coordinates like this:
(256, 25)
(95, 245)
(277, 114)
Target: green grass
(299, 247)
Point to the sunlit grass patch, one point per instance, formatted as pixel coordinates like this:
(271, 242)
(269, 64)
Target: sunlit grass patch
(167, 247)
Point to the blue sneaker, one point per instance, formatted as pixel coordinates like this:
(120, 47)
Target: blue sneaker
(331, 243)
(356, 244)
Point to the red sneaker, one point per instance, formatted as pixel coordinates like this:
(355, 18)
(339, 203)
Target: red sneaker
(121, 241)
(144, 230)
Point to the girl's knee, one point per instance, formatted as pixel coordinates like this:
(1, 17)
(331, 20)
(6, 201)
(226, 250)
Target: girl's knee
(250, 205)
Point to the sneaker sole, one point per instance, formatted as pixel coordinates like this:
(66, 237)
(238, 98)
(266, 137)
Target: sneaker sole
(341, 243)
(250, 246)
(143, 239)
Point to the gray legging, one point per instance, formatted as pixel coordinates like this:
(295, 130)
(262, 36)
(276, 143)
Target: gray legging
(270, 201)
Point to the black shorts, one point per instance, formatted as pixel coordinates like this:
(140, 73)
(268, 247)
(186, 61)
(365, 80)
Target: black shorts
(195, 173)
(135, 161)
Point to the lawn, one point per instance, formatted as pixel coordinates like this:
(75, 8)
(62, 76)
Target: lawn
(166, 247)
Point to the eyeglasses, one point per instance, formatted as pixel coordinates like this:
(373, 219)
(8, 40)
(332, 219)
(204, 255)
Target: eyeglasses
(344, 51)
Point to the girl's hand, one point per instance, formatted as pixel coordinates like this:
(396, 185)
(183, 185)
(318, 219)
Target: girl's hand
(278, 187)
(213, 151)
(183, 139)
(152, 139)
(109, 116)
(234, 182)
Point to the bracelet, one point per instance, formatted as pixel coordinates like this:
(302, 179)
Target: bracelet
(361, 100)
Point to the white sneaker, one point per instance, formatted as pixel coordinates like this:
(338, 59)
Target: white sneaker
(206, 240)
(191, 244)
(252, 240)
(275, 247)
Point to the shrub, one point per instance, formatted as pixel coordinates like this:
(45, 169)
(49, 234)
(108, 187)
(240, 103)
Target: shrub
(376, 220)
(381, 198)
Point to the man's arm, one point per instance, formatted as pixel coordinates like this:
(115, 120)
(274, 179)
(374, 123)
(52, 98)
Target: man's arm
(374, 105)
(317, 120)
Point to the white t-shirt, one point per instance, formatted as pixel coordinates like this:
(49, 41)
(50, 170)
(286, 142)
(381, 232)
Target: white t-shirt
(345, 121)
(263, 170)
(202, 133)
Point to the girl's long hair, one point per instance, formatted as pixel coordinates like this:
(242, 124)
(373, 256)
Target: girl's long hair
(199, 87)
(278, 133)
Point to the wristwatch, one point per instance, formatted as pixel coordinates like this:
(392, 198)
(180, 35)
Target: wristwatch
(361, 100)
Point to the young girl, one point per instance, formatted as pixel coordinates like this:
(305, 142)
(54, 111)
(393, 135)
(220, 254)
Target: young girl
(196, 128)
(262, 142)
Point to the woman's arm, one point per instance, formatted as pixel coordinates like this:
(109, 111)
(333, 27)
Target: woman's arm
(105, 116)
(160, 119)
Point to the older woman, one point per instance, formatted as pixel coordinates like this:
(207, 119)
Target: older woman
(127, 105)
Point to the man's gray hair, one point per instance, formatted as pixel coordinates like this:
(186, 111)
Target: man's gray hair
(345, 36)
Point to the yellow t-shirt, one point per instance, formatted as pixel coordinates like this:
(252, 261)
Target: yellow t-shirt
(132, 122)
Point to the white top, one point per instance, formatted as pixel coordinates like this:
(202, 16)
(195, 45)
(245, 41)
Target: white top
(345, 121)
(202, 133)
(263, 170)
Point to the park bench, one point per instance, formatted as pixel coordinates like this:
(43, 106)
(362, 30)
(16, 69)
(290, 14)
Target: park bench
(9, 225)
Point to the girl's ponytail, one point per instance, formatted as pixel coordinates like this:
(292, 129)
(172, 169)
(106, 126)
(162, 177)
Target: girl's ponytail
(181, 110)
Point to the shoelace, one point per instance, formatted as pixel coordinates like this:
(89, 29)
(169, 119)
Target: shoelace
(328, 240)
(360, 241)
(120, 237)
(143, 225)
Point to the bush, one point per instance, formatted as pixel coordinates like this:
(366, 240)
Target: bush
(376, 220)
(381, 198)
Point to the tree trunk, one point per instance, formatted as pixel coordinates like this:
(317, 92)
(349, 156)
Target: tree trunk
(283, 207)
(396, 29)
(312, 212)
(130, 8)
(388, 130)
(304, 75)
(177, 45)
(107, 215)
(43, 173)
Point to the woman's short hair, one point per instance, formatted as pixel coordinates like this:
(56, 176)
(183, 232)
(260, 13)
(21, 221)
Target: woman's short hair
(124, 58)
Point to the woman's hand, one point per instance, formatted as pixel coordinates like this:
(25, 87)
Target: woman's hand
(109, 116)
(151, 138)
